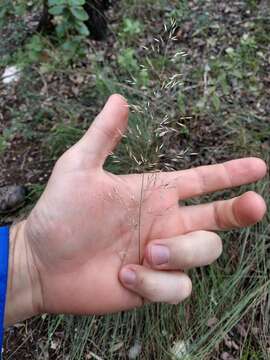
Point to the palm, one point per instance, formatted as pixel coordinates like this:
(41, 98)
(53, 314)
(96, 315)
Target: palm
(106, 218)
(93, 222)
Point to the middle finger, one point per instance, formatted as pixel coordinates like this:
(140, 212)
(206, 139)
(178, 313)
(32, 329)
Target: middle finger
(237, 212)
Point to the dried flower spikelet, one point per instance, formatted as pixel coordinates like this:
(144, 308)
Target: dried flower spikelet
(180, 350)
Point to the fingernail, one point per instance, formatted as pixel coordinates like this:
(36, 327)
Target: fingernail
(128, 276)
(160, 254)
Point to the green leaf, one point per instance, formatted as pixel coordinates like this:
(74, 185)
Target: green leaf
(56, 2)
(82, 29)
(182, 103)
(216, 102)
(75, 3)
(61, 29)
(56, 10)
(3, 13)
(79, 13)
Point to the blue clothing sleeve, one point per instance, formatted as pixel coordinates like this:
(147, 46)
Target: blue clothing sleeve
(4, 255)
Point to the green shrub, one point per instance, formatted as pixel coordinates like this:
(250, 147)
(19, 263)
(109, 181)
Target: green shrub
(70, 30)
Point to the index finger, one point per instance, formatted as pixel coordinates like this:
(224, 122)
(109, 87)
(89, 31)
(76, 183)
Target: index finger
(210, 178)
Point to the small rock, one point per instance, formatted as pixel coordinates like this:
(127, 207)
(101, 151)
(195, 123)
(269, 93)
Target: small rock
(11, 198)
(135, 351)
(226, 356)
(11, 74)
(54, 344)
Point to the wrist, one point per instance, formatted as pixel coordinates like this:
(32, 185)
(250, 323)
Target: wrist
(24, 295)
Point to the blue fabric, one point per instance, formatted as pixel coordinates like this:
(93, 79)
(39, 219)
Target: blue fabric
(4, 254)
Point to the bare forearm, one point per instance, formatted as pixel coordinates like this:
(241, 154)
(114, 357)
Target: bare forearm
(24, 291)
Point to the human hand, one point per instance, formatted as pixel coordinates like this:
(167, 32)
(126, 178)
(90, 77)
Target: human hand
(90, 225)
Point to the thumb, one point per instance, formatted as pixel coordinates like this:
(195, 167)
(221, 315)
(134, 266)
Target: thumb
(106, 130)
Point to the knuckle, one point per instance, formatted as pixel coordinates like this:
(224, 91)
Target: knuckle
(109, 131)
